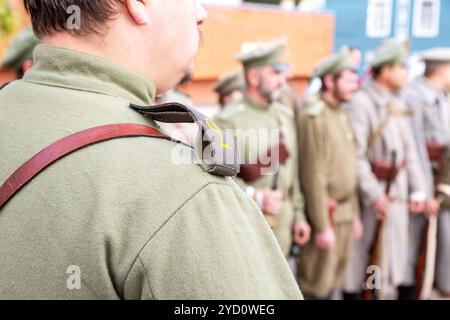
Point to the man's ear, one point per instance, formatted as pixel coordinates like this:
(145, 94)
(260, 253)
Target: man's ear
(443, 69)
(253, 77)
(386, 71)
(27, 65)
(137, 11)
(328, 81)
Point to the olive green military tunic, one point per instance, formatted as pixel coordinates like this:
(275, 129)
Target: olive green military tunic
(327, 171)
(120, 215)
(257, 128)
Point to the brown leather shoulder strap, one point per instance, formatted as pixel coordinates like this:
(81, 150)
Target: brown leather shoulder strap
(378, 132)
(66, 146)
(4, 85)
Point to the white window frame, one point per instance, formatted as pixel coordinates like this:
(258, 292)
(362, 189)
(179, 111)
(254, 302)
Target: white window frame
(419, 31)
(373, 29)
(403, 19)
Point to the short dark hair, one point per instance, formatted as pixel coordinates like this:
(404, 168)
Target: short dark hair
(376, 71)
(20, 72)
(223, 96)
(432, 66)
(48, 16)
(335, 76)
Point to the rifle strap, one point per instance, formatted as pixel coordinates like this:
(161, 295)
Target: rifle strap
(392, 111)
(377, 133)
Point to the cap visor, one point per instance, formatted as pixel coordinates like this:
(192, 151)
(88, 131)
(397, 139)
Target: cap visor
(282, 67)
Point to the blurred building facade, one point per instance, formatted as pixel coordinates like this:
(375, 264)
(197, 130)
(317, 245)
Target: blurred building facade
(232, 23)
(366, 23)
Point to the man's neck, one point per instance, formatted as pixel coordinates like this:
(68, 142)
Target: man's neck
(258, 98)
(94, 47)
(107, 47)
(331, 100)
(435, 83)
(383, 84)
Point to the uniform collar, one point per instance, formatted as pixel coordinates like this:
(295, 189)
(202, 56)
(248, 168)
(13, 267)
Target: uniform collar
(431, 93)
(256, 105)
(71, 69)
(382, 96)
(333, 107)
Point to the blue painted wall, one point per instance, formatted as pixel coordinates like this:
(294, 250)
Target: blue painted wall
(444, 31)
(351, 18)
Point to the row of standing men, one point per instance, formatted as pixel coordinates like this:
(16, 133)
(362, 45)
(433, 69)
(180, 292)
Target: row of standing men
(359, 167)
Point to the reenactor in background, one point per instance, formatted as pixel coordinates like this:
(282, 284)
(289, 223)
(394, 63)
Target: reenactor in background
(19, 56)
(288, 95)
(290, 99)
(120, 219)
(315, 84)
(442, 280)
(427, 99)
(274, 183)
(230, 88)
(328, 178)
(390, 178)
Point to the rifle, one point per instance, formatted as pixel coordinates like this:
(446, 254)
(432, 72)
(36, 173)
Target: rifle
(424, 272)
(275, 184)
(377, 244)
(426, 261)
(252, 172)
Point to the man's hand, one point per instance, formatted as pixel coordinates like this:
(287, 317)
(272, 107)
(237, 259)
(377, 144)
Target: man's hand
(417, 207)
(332, 205)
(302, 233)
(325, 239)
(358, 229)
(382, 205)
(431, 207)
(272, 201)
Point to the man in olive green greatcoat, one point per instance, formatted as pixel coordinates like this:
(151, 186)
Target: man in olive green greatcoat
(119, 219)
